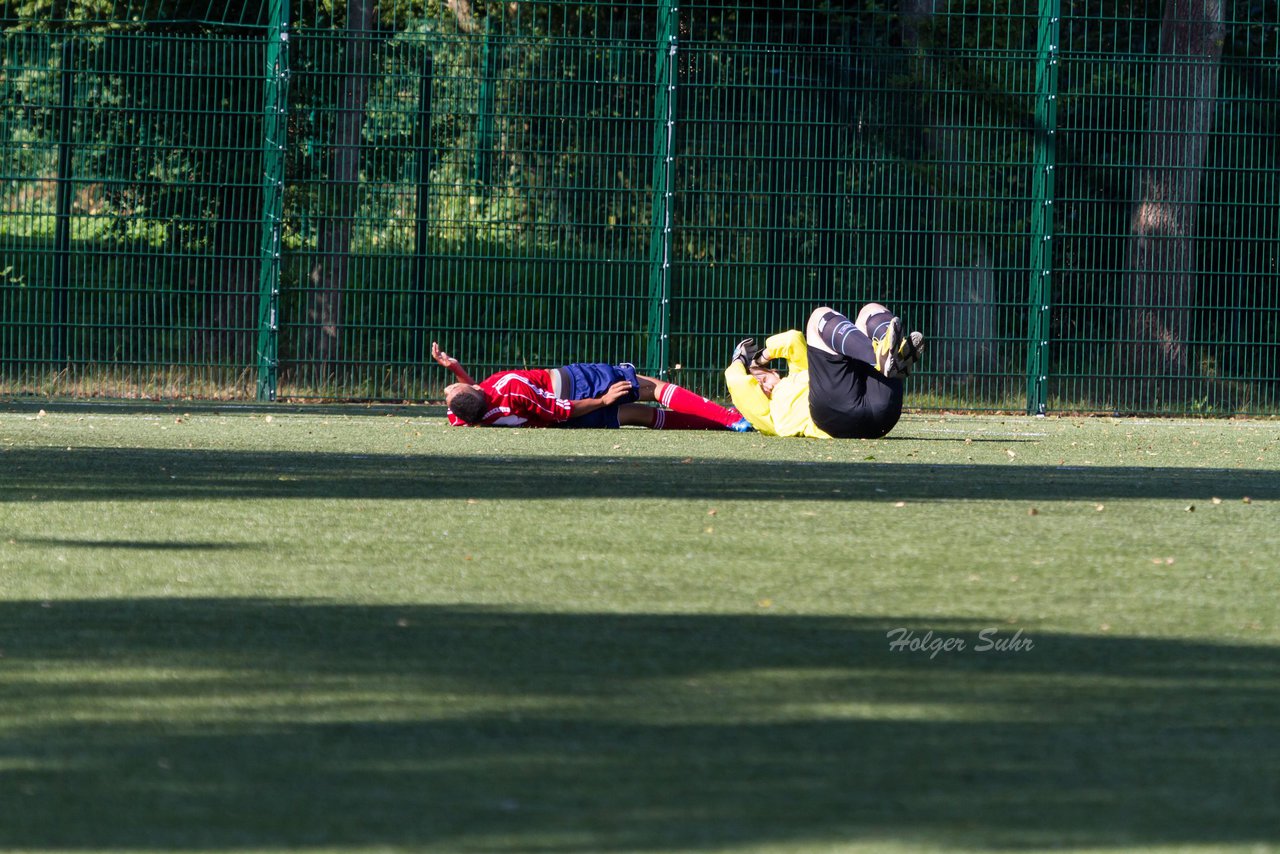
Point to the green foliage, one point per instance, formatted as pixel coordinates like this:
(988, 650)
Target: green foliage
(819, 154)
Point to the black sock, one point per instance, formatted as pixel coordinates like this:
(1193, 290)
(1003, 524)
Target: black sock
(878, 324)
(840, 334)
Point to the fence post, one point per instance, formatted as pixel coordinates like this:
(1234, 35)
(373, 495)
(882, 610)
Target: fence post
(658, 351)
(274, 129)
(1042, 198)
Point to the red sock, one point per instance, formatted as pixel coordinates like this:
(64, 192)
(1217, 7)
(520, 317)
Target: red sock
(686, 402)
(669, 419)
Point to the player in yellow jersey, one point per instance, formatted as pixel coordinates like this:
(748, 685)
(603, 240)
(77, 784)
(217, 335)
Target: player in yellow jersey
(843, 380)
(776, 405)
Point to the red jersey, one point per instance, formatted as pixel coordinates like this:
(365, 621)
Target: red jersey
(520, 399)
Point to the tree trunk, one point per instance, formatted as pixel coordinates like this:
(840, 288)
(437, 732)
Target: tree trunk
(464, 15)
(227, 279)
(1162, 229)
(328, 276)
(963, 282)
(230, 330)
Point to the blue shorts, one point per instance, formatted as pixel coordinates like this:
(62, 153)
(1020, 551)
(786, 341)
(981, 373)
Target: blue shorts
(592, 379)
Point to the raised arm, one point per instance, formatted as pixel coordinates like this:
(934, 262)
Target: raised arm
(453, 365)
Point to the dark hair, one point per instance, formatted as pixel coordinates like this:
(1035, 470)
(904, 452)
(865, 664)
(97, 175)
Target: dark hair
(469, 404)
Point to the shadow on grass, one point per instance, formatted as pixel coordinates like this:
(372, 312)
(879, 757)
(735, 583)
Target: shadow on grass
(98, 406)
(136, 545)
(152, 474)
(173, 724)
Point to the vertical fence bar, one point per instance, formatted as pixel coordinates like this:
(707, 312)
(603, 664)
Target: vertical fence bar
(482, 165)
(658, 350)
(422, 211)
(1042, 191)
(62, 210)
(274, 127)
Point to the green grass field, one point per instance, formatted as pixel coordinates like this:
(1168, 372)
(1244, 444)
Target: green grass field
(356, 629)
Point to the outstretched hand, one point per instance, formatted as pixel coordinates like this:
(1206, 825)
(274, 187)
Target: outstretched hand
(446, 361)
(442, 358)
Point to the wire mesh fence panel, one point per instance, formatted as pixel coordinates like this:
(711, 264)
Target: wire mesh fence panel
(494, 196)
(130, 267)
(823, 164)
(1166, 296)
(1075, 202)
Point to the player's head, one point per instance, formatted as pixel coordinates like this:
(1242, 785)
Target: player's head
(466, 401)
(767, 379)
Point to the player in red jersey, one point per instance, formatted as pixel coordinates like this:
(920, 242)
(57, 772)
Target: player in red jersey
(579, 395)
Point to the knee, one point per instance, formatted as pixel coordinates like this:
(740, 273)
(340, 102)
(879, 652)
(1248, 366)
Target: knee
(815, 317)
(813, 329)
(649, 387)
(870, 310)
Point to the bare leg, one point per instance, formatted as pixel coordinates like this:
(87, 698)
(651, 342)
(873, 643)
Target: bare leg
(639, 415)
(813, 330)
(840, 335)
(684, 401)
(635, 415)
(649, 387)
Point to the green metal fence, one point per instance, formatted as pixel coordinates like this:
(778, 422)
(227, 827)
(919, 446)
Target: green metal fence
(1078, 203)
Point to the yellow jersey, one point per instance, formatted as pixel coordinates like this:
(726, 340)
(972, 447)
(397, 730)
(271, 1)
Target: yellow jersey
(786, 412)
